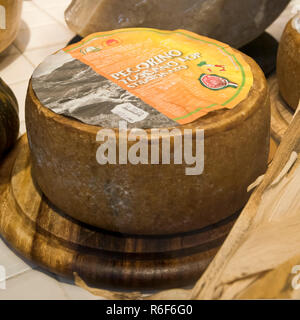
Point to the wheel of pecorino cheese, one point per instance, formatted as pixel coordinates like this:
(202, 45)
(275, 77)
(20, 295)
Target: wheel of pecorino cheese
(148, 132)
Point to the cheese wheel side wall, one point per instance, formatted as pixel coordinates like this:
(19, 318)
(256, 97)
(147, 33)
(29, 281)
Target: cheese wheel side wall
(151, 199)
(288, 66)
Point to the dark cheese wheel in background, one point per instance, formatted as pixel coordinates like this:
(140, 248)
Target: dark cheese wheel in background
(264, 51)
(234, 22)
(68, 102)
(9, 119)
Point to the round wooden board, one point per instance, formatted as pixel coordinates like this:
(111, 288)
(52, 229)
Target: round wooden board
(43, 234)
(281, 113)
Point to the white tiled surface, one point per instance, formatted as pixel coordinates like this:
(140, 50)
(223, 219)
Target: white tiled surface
(43, 31)
(33, 284)
(12, 265)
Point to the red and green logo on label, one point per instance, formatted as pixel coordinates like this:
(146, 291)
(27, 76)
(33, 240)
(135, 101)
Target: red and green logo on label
(215, 82)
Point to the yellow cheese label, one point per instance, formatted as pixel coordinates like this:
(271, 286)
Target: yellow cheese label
(179, 73)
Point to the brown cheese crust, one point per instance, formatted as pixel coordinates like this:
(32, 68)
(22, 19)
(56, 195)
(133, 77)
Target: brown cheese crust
(152, 199)
(288, 66)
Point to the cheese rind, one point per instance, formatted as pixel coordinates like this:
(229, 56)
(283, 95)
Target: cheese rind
(288, 65)
(152, 199)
